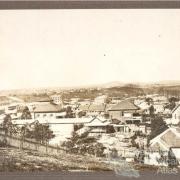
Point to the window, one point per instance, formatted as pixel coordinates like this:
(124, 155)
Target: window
(37, 115)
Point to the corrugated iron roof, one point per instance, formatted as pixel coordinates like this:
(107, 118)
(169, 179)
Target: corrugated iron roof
(124, 105)
(47, 107)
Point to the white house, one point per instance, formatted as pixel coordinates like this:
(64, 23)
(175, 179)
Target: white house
(47, 111)
(163, 144)
(97, 126)
(57, 99)
(100, 99)
(176, 115)
(63, 128)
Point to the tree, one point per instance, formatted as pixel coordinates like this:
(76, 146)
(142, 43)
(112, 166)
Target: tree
(157, 126)
(69, 112)
(151, 111)
(173, 99)
(81, 114)
(108, 100)
(172, 103)
(40, 132)
(8, 126)
(149, 100)
(83, 144)
(26, 113)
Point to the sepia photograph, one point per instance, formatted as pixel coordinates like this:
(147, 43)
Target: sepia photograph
(90, 90)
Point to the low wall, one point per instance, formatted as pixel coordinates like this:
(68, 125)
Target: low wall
(30, 145)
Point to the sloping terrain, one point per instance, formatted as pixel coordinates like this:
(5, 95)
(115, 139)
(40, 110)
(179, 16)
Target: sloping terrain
(12, 159)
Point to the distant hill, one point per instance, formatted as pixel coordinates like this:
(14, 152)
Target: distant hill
(140, 87)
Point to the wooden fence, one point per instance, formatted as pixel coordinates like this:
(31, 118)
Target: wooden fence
(30, 145)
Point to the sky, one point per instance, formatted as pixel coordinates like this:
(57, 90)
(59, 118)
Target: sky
(41, 48)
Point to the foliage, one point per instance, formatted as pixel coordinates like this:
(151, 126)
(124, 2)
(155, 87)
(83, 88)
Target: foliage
(78, 126)
(83, 144)
(173, 99)
(149, 100)
(26, 113)
(81, 114)
(69, 112)
(151, 111)
(157, 126)
(40, 132)
(171, 105)
(8, 126)
(110, 129)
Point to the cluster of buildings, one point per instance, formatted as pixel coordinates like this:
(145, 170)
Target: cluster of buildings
(116, 123)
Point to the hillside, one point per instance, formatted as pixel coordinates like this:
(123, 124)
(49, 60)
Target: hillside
(12, 159)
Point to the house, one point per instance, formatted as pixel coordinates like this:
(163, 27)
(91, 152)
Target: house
(63, 128)
(162, 146)
(100, 99)
(83, 108)
(167, 139)
(125, 128)
(116, 100)
(92, 109)
(122, 110)
(46, 111)
(175, 115)
(159, 107)
(122, 128)
(57, 99)
(98, 126)
(96, 109)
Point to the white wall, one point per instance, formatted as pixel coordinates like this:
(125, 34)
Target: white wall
(176, 116)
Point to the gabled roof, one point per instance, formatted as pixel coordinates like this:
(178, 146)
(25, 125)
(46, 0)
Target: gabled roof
(175, 108)
(167, 139)
(47, 107)
(98, 122)
(95, 107)
(124, 105)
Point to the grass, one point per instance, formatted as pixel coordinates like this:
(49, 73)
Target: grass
(12, 159)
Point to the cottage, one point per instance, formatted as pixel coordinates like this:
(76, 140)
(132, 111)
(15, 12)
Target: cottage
(98, 126)
(163, 147)
(95, 109)
(123, 109)
(175, 115)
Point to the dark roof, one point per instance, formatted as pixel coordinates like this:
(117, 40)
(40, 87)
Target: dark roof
(47, 107)
(124, 105)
